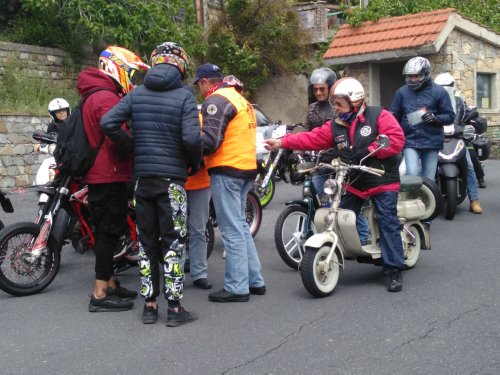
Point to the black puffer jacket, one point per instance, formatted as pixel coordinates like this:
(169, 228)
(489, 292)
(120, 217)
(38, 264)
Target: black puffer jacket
(165, 125)
(317, 114)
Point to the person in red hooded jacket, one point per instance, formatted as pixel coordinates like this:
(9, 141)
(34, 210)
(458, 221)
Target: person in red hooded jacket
(108, 177)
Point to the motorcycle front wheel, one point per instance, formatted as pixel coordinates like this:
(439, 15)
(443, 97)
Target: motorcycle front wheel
(412, 244)
(290, 234)
(451, 199)
(267, 194)
(253, 213)
(316, 281)
(17, 276)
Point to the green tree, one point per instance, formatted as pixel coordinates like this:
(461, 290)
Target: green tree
(485, 12)
(135, 24)
(256, 38)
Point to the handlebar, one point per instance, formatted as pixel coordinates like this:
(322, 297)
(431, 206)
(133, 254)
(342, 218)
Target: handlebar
(337, 164)
(41, 136)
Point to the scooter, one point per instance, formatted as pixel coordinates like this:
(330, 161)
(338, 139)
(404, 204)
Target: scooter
(452, 165)
(337, 237)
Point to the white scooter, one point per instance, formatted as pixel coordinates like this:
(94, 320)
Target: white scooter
(337, 238)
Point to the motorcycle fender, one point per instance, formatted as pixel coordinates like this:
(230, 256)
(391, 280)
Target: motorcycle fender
(319, 239)
(448, 170)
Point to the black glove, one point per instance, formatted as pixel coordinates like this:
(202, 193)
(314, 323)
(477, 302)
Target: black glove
(429, 118)
(353, 156)
(328, 155)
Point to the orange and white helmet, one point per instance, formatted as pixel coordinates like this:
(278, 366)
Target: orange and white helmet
(350, 88)
(122, 65)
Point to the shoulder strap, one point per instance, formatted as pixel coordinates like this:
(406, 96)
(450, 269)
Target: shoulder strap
(372, 113)
(83, 99)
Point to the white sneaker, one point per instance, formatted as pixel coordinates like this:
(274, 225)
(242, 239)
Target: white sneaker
(224, 254)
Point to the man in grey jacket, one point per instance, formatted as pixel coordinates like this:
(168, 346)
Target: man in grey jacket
(166, 144)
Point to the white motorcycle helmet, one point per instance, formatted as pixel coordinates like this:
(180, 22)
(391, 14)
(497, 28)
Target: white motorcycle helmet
(445, 79)
(350, 88)
(56, 105)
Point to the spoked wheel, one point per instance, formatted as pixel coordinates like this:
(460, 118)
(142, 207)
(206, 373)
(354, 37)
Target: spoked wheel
(290, 234)
(266, 195)
(412, 243)
(18, 276)
(320, 279)
(451, 199)
(253, 213)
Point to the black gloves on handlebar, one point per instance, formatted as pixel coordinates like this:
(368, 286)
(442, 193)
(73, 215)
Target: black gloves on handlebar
(353, 156)
(328, 155)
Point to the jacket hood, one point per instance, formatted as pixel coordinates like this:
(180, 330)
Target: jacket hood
(163, 77)
(92, 78)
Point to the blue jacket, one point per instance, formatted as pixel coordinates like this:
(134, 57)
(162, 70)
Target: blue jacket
(165, 125)
(434, 99)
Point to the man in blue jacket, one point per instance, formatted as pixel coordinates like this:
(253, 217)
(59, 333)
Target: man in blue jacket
(422, 108)
(166, 144)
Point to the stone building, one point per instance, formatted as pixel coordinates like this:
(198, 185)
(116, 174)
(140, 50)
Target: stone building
(376, 53)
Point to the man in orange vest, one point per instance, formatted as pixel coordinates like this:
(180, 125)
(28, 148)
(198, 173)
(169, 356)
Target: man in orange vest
(229, 142)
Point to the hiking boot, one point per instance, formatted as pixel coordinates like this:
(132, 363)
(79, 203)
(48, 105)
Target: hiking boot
(475, 207)
(176, 318)
(395, 281)
(109, 303)
(149, 314)
(123, 293)
(481, 183)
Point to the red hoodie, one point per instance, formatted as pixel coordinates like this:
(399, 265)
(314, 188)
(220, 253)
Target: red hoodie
(110, 164)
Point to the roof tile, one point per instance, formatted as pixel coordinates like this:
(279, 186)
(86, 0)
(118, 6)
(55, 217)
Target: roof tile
(408, 31)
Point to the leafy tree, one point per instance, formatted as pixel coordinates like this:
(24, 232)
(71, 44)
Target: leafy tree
(485, 12)
(256, 38)
(135, 24)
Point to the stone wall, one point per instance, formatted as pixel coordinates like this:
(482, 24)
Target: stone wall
(18, 161)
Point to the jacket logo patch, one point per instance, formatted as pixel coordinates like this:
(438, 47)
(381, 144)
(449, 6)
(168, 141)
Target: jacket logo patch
(366, 131)
(339, 138)
(212, 109)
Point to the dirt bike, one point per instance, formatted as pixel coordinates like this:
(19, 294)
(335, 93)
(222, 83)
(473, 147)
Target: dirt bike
(274, 166)
(337, 237)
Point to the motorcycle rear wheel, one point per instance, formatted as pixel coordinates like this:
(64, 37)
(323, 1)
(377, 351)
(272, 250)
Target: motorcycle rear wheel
(411, 247)
(290, 227)
(317, 282)
(18, 277)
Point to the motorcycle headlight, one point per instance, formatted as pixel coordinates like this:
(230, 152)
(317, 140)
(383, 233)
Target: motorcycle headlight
(331, 186)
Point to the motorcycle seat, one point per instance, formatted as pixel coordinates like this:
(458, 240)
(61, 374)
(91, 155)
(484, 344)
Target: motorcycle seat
(410, 183)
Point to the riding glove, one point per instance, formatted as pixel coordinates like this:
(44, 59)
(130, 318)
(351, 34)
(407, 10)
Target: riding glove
(430, 118)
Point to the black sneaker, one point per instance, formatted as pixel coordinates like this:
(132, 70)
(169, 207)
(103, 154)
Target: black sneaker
(224, 296)
(481, 183)
(109, 303)
(149, 314)
(175, 319)
(123, 293)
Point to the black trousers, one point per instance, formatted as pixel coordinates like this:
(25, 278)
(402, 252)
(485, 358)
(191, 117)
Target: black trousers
(161, 212)
(108, 204)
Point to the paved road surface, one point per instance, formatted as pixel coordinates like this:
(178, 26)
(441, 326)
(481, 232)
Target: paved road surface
(445, 321)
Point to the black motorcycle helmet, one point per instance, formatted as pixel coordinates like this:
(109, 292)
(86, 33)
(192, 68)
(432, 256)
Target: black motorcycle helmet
(320, 75)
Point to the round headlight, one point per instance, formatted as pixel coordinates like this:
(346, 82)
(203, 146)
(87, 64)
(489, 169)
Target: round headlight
(331, 186)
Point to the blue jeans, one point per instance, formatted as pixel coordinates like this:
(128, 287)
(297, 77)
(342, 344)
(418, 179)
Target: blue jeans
(389, 227)
(421, 162)
(472, 186)
(198, 206)
(243, 270)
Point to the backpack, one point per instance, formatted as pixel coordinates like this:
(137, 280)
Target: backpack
(73, 154)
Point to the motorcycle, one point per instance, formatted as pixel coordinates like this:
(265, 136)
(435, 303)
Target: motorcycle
(337, 237)
(452, 165)
(478, 144)
(274, 166)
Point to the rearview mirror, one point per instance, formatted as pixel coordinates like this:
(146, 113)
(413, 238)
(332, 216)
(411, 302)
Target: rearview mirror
(383, 141)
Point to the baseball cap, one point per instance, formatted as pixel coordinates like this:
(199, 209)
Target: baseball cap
(207, 71)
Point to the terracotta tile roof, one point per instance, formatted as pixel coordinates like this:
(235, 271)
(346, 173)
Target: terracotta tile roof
(409, 31)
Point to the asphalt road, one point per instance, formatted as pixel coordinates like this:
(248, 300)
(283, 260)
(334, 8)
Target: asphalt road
(445, 321)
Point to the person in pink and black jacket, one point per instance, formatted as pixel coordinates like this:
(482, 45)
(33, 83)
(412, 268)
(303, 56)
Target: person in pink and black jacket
(352, 134)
